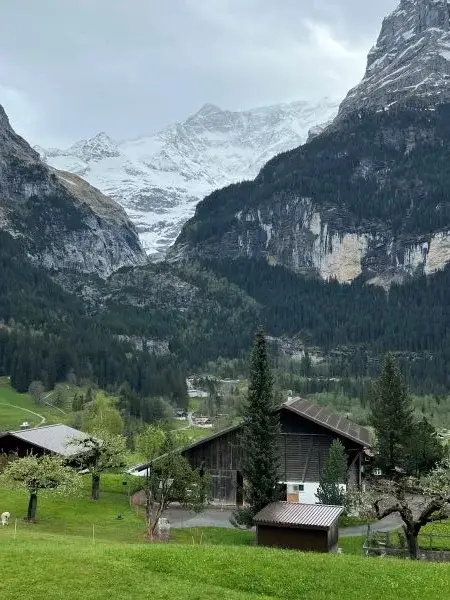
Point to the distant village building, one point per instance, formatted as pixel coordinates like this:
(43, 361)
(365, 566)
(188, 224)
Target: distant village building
(306, 527)
(307, 432)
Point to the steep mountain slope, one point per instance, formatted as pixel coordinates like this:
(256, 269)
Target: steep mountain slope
(369, 196)
(63, 221)
(410, 61)
(160, 179)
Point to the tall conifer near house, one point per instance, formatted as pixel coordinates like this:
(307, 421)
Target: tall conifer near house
(391, 416)
(334, 475)
(259, 436)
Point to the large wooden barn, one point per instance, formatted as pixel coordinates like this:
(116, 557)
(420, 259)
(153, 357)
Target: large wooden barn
(307, 432)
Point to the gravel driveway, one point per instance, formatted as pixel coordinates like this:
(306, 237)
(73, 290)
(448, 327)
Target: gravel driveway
(217, 517)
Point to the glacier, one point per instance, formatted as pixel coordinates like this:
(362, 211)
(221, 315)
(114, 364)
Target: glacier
(160, 179)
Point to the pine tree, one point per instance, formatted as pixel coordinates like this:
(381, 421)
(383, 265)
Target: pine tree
(391, 416)
(334, 474)
(259, 437)
(425, 450)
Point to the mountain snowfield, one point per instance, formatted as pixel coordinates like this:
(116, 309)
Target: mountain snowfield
(160, 179)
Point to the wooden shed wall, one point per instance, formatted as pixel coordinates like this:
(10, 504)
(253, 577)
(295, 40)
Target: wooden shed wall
(308, 540)
(12, 445)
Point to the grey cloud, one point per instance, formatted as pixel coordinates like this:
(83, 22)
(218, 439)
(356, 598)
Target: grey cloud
(129, 67)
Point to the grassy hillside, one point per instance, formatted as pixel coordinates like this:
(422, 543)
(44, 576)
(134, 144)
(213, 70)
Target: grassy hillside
(75, 517)
(64, 556)
(49, 570)
(16, 408)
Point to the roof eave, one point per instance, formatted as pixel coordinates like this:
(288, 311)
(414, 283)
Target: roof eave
(295, 525)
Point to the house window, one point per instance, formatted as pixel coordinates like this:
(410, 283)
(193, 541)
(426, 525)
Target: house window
(298, 487)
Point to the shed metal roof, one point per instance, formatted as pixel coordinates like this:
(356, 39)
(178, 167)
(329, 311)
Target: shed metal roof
(333, 421)
(288, 514)
(53, 438)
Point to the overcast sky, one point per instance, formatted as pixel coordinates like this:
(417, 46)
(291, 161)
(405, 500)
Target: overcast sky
(72, 68)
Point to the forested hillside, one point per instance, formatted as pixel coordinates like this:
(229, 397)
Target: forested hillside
(369, 196)
(45, 333)
(150, 326)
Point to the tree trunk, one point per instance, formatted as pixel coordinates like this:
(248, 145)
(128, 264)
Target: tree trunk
(412, 541)
(32, 507)
(95, 486)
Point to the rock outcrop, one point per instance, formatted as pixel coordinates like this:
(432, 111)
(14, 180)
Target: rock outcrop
(64, 222)
(410, 61)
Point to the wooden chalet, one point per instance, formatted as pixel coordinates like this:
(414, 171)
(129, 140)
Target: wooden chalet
(307, 432)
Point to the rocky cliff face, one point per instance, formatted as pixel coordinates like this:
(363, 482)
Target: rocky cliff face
(159, 180)
(410, 61)
(62, 220)
(366, 197)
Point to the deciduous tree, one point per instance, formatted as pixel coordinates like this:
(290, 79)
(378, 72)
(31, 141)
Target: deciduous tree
(168, 477)
(102, 451)
(35, 474)
(102, 413)
(36, 390)
(418, 501)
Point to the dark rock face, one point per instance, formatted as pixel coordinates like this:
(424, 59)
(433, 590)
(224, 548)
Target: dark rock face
(411, 59)
(64, 222)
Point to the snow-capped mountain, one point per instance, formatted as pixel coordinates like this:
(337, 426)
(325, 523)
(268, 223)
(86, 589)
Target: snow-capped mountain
(160, 179)
(411, 59)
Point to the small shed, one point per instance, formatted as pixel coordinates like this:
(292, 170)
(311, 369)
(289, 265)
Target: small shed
(307, 527)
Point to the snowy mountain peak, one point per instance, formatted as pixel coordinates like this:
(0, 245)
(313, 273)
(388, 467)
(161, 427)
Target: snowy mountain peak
(159, 180)
(99, 147)
(411, 58)
(207, 110)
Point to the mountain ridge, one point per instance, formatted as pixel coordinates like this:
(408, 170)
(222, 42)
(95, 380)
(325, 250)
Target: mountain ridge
(64, 222)
(410, 60)
(160, 179)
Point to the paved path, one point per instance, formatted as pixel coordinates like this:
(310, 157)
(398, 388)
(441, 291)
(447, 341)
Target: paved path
(389, 523)
(216, 517)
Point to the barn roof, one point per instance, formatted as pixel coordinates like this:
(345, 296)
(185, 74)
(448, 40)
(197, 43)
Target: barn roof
(287, 514)
(316, 413)
(331, 420)
(53, 438)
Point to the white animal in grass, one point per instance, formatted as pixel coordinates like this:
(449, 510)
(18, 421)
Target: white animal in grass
(5, 518)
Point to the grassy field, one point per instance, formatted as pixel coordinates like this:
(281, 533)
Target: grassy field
(51, 569)
(63, 556)
(16, 408)
(77, 518)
